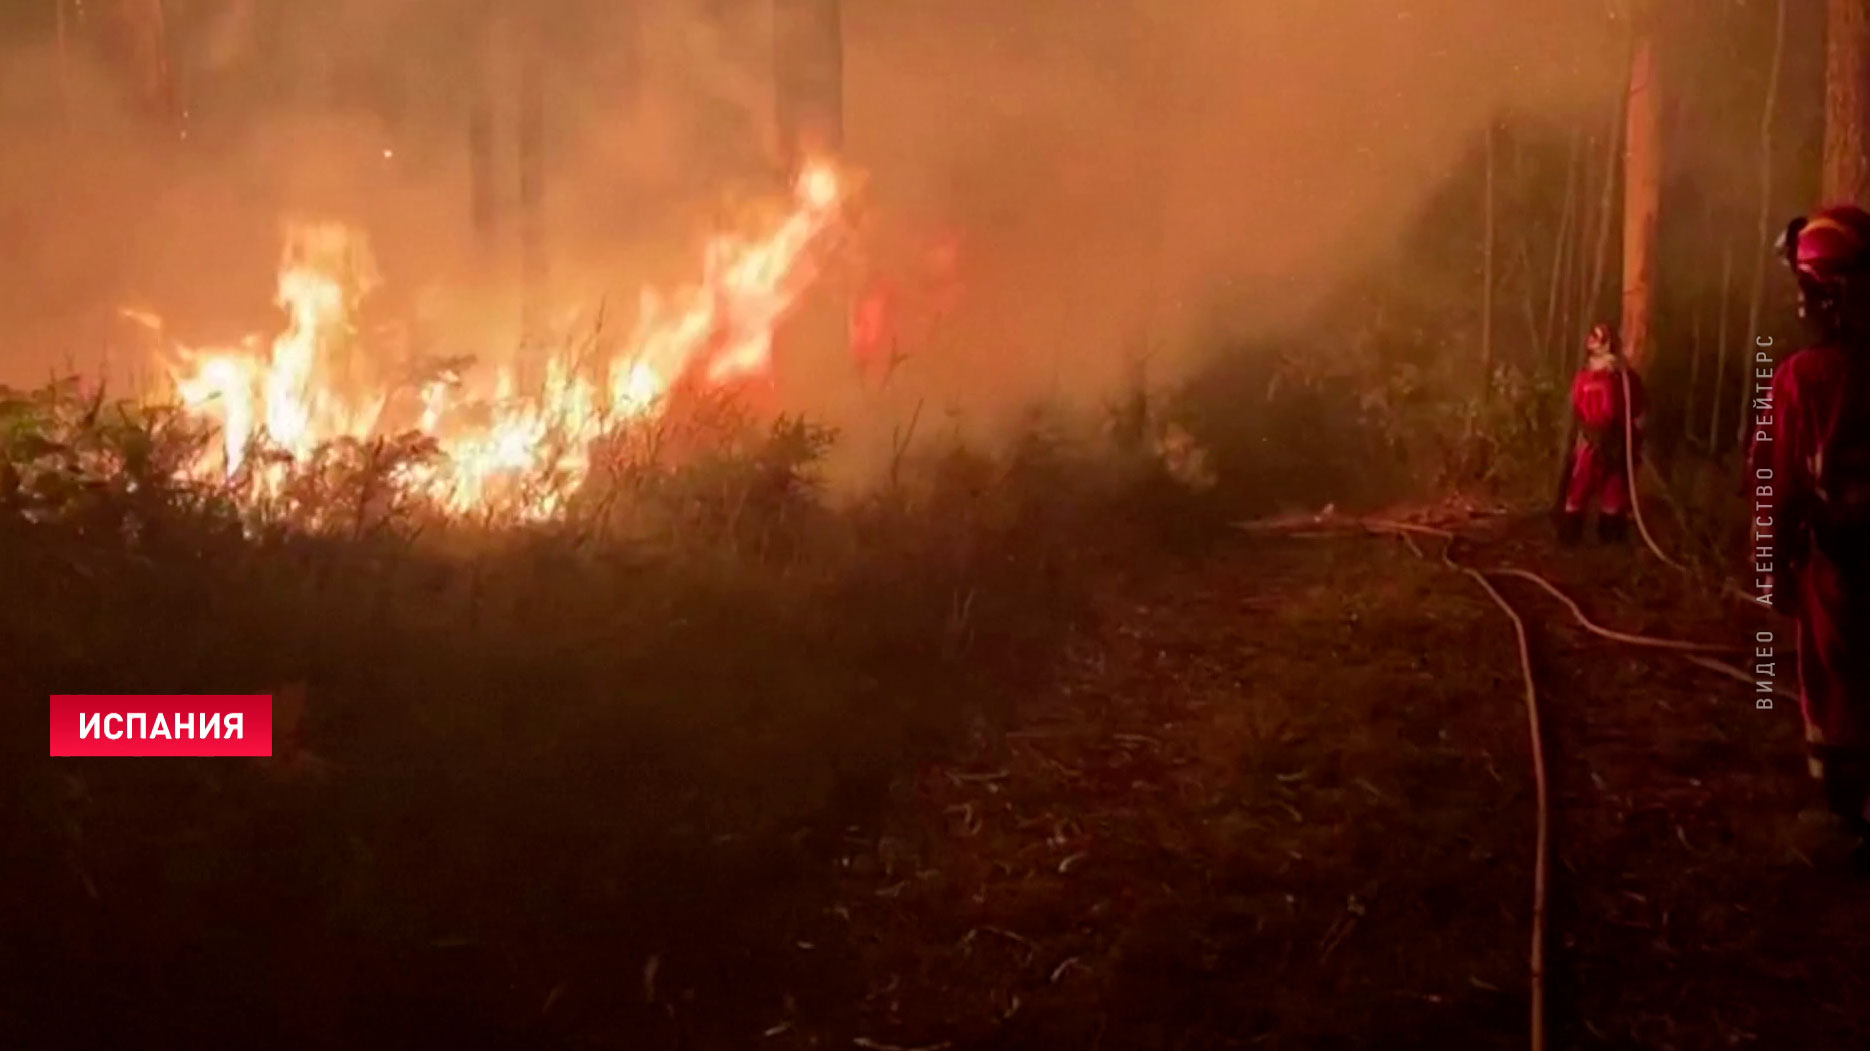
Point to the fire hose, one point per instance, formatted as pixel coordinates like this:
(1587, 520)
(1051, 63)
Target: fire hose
(1728, 588)
(1692, 651)
(1695, 652)
(1542, 849)
(1542, 842)
(1629, 473)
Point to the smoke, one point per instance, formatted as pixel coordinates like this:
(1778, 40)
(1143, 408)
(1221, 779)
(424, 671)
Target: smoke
(1117, 179)
(1130, 173)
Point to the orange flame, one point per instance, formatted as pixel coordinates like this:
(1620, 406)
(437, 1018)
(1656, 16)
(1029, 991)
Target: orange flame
(309, 387)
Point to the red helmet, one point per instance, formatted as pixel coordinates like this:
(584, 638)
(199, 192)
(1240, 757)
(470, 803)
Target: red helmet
(1827, 250)
(1830, 242)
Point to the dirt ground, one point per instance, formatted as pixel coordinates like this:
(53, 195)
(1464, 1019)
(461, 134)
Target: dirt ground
(1276, 796)
(1262, 808)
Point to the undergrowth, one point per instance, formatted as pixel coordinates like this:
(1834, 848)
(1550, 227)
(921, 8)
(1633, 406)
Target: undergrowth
(638, 718)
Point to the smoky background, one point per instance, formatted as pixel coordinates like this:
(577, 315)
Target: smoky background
(1119, 181)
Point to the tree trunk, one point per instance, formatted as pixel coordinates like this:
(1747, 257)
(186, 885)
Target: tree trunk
(1763, 229)
(148, 33)
(808, 97)
(1561, 244)
(808, 69)
(1642, 185)
(1578, 276)
(1846, 175)
(531, 136)
(1158, 160)
(1606, 207)
(1529, 294)
(1698, 344)
(64, 60)
(1720, 351)
(1487, 277)
(483, 200)
(1695, 348)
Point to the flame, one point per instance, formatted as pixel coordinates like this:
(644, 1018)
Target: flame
(312, 384)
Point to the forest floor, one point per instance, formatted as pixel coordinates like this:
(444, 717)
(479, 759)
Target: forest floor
(1283, 798)
(1278, 795)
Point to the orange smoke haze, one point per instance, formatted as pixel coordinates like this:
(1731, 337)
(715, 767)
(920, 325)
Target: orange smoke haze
(1049, 190)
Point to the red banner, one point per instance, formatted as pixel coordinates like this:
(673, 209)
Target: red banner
(162, 724)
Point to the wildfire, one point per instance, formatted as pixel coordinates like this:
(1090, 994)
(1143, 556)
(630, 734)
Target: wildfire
(315, 382)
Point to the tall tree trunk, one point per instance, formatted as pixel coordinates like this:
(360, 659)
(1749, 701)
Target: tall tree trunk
(1846, 174)
(808, 69)
(808, 97)
(1642, 187)
(531, 186)
(1529, 295)
(1561, 245)
(148, 32)
(1487, 275)
(1695, 348)
(1698, 344)
(1583, 236)
(1720, 351)
(64, 60)
(483, 197)
(1606, 208)
(1158, 161)
(1763, 228)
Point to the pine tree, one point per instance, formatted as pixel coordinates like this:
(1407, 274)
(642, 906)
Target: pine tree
(1846, 175)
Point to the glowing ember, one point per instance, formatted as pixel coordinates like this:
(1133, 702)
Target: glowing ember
(311, 386)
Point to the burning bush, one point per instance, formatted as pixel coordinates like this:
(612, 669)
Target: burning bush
(435, 429)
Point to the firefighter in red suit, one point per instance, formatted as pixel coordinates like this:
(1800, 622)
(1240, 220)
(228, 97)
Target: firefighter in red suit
(889, 317)
(1812, 513)
(873, 328)
(1598, 471)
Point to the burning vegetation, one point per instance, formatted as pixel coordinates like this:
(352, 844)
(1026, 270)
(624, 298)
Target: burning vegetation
(741, 509)
(479, 444)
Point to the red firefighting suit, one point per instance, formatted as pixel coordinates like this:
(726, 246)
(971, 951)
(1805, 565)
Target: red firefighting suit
(1597, 461)
(889, 317)
(873, 327)
(1813, 518)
